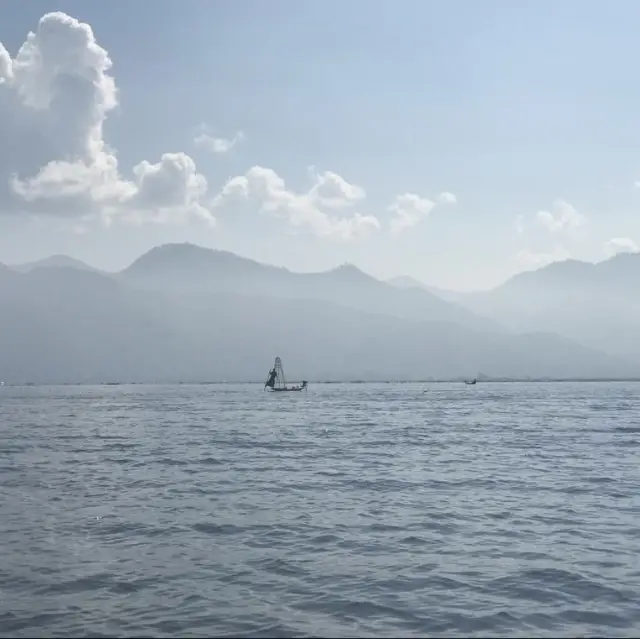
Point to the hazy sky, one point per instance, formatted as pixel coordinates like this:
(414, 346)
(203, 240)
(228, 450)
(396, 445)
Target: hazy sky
(454, 141)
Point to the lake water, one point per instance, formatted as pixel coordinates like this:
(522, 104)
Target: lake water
(349, 510)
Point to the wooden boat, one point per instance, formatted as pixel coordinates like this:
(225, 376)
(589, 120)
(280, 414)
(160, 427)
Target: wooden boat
(277, 383)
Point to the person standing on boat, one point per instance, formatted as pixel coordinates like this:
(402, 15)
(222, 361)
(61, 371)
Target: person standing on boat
(271, 382)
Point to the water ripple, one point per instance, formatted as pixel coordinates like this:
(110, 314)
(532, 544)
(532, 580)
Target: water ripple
(351, 510)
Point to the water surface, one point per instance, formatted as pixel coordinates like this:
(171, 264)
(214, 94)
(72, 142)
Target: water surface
(349, 510)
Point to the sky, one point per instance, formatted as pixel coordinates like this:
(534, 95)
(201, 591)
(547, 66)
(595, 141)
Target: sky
(456, 142)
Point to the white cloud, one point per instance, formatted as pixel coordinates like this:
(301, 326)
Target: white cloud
(408, 210)
(6, 70)
(218, 145)
(169, 190)
(620, 245)
(314, 210)
(447, 198)
(562, 217)
(55, 96)
(562, 229)
(332, 191)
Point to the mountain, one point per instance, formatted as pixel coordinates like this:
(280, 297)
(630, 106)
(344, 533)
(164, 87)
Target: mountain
(5, 273)
(406, 281)
(68, 325)
(188, 268)
(597, 304)
(57, 261)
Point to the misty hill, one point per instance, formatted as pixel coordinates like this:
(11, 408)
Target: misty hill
(595, 304)
(67, 325)
(57, 261)
(188, 268)
(406, 281)
(5, 273)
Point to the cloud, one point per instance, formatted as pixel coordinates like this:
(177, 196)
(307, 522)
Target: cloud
(408, 209)
(315, 210)
(620, 245)
(447, 198)
(562, 229)
(55, 97)
(562, 217)
(332, 191)
(169, 189)
(218, 145)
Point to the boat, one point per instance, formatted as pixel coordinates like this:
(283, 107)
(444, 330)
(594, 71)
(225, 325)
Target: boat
(277, 383)
(470, 382)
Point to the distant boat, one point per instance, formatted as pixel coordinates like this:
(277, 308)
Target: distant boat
(277, 382)
(470, 382)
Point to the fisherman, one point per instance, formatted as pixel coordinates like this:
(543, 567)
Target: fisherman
(272, 378)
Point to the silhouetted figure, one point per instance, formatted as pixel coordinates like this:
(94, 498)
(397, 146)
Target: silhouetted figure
(271, 382)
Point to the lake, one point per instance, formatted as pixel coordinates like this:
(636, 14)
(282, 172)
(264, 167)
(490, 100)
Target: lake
(501, 509)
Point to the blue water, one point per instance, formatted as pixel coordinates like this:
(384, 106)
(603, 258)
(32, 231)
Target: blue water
(350, 510)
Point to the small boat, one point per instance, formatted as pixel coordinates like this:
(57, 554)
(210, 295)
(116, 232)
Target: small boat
(276, 381)
(470, 382)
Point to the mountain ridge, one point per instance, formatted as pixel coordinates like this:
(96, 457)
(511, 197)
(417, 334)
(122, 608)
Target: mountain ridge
(68, 326)
(402, 281)
(53, 261)
(595, 303)
(591, 305)
(195, 269)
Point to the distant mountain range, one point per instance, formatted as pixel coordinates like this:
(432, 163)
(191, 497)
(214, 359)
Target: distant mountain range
(185, 268)
(55, 261)
(185, 313)
(596, 304)
(406, 281)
